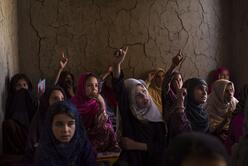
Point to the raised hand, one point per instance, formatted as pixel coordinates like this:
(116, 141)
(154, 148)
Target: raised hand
(119, 56)
(176, 60)
(63, 61)
(181, 93)
(151, 76)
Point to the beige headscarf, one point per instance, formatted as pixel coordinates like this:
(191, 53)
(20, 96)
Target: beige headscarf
(151, 113)
(153, 83)
(216, 107)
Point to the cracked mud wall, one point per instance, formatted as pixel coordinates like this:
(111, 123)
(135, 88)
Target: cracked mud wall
(8, 50)
(89, 31)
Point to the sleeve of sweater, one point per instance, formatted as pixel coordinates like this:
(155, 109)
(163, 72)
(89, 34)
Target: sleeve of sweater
(178, 123)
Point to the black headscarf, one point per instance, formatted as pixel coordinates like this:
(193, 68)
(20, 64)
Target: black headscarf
(52, 153)
(65, 84)
(21, 104)
(197, 116)
(44, 100)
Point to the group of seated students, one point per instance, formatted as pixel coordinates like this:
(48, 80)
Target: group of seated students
(161, 121)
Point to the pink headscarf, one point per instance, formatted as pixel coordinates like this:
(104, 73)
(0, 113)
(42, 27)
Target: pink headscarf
(87, 107)
(215, 76)
(219, 71)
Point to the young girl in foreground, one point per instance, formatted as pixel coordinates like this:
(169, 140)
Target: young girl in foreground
(63, 141)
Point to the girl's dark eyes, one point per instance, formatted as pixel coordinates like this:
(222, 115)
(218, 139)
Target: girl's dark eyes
(71, 123)
(90, 85)
(59, 124)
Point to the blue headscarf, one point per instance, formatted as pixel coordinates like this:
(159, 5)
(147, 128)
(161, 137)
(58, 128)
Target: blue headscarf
(53, 153)
(197, 116)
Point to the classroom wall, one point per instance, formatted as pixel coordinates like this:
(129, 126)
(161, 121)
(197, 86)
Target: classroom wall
(89, 31)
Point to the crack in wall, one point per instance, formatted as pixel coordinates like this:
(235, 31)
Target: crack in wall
(128, 10)
(39, 40)
(184, 29)
(146, 27)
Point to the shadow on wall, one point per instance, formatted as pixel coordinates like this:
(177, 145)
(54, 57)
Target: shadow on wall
(3, 101)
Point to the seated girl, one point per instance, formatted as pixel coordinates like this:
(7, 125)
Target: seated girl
(220, 106)
(189, 114)
(63, 139)
(171, 84)
(65, 79)
(154, 85)
(51, 96)
(238, 125)
(109, 96)
(92, 110)
(20, 108)
(142, 127)
(219, 73)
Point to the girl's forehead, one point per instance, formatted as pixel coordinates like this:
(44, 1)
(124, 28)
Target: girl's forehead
(21, 80)
(160, 72)
(62, 117)
(91, 79)
(200, 86)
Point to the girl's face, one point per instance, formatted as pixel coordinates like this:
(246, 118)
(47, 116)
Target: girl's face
(91, 88)
(68, 80)
(63, 127)
(21, 84)
(141, 97)
(108, 82)
(159, 79)
(177, 82)
(200, 94)
(55, 97)
(228, 94)
(224, 75)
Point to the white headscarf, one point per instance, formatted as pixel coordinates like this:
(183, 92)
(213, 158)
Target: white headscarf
(216, 107)
(151, 113)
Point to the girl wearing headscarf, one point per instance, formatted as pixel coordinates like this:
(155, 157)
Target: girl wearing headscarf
(143, 134)
(220, 106)
(189, 114)
(63, 139)
(220, 73)
(154, 85)
(109, 96)
(92, 110)
(238, 126)
(172, 83)
(65, 79)
(20, 108)
(51, 96)
(194, 104)
(240, 150)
